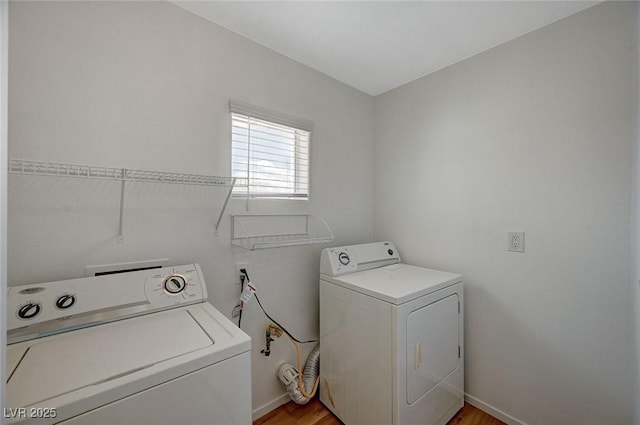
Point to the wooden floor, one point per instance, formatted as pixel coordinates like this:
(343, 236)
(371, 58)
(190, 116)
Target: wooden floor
(314, 413)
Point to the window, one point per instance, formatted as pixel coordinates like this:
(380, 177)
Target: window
(270, 151)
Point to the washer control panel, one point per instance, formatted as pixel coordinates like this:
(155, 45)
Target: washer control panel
(353, 258)
(47, 307)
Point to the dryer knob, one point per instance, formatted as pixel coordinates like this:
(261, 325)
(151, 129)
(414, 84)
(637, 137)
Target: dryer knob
(344, 259)
(29, 310)
(174, 284)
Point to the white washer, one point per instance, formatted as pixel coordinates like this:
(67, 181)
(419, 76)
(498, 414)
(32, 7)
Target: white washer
(141, 347)
(391, 338)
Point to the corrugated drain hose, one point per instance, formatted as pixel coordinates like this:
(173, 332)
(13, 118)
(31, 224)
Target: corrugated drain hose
(301, 387)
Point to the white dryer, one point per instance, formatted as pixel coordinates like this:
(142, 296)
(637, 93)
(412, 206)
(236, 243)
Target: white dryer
(391, 338)
(141, 347)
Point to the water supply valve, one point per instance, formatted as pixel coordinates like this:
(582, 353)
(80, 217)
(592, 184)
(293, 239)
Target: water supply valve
(272, 330)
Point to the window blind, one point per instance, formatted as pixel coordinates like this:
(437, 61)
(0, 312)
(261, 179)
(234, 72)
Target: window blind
(271, 156)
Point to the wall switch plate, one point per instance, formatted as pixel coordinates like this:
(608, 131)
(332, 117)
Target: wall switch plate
(240, 266)
(515, 242)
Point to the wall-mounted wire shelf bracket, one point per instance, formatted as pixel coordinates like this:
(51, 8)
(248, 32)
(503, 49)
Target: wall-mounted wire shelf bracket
(57, 169)
(278, 230)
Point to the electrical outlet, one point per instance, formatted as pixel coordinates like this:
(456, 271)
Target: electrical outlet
(516, 241)
(239, 266)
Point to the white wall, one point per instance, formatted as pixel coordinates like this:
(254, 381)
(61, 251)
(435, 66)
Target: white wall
(536, 136)
(146, 85)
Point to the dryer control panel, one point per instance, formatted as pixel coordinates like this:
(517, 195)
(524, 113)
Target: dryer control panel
(51, 307)
(353, 258)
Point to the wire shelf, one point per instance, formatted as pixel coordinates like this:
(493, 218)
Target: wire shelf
(255, 232)
(43, 168)
(58, 169)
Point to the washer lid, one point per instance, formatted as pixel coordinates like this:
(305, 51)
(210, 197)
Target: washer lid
(397, 283)
(67, 362)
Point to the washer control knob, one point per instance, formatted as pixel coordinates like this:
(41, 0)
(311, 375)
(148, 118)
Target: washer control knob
(344, 259)
(65, 301)
(174, 284)
(29, 310)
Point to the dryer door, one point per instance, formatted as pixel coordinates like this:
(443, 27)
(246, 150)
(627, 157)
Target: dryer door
(432, 345)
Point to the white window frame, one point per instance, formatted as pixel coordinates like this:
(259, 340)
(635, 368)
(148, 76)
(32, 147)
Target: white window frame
(256, 114)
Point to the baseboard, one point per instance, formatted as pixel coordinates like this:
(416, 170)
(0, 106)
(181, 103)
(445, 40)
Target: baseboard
(268, 407)
(496, 413)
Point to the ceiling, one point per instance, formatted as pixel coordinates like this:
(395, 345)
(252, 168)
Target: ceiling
(376, 46)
